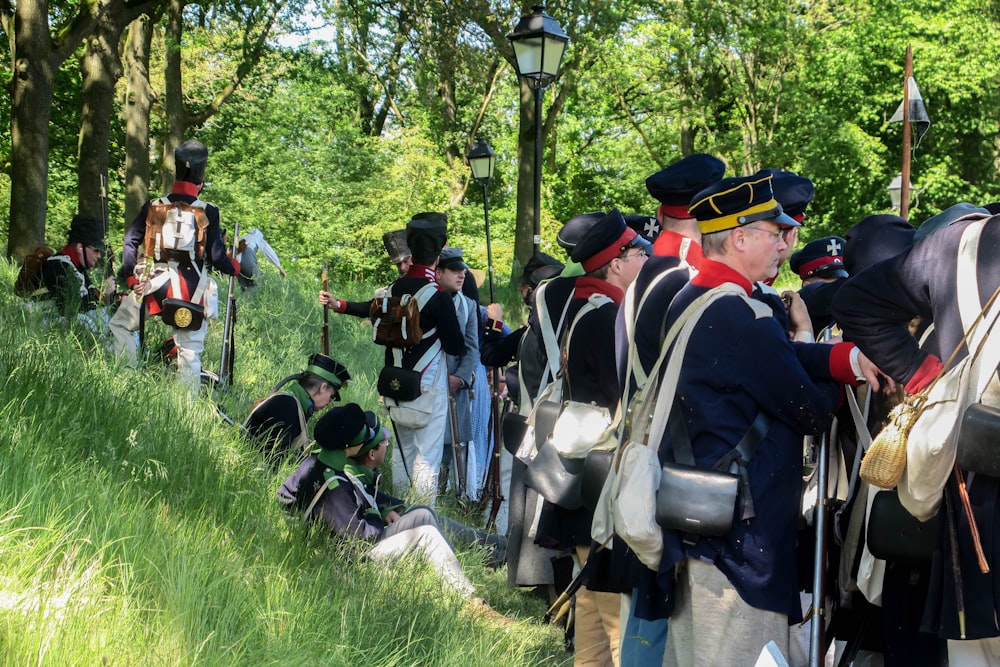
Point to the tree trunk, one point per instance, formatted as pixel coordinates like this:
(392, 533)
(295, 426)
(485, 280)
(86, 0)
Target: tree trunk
(100, 68)
(139, 99)
(173, 104)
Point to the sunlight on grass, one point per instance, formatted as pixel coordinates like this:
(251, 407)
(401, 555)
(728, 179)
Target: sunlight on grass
(137, 528)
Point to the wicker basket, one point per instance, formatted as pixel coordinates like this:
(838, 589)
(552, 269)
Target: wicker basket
(885, 460)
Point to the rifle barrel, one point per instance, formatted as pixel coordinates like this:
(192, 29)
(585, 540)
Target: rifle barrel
(325, 335)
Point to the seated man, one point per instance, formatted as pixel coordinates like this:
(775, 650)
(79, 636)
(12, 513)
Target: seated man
(65, 280)
(339, 485)
(278, 422)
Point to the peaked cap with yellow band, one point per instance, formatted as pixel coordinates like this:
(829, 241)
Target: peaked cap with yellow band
(737, 201)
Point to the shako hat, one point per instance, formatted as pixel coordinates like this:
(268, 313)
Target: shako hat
(190, 158)
(821, 258)
(737, 201)
(607, 239)
(426, 234)
(88, 230)
(395, 245)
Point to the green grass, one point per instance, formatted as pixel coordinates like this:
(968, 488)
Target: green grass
(136, 528)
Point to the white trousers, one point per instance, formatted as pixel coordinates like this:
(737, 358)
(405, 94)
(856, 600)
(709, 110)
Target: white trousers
(190, 343)
(420, 449)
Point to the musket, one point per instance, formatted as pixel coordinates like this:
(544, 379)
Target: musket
(109, 265)
(493, 476)
(228, 350)
(821, 513)
(456, 448)
(325, 335)
(904, 194)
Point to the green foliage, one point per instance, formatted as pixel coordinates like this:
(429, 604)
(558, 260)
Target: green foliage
(138, 528)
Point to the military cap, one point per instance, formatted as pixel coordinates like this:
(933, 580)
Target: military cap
(395, 245)
(792, 191)
(675, 185)
(604, 241)
(451, 258)
(426, 234)
(540, 267)
(822, 258)
(190, 158)
(737, 201)
(88, 230)
(646, 226)
(945, 218)
(330, 370)
(376, 434)
(575, 228)
(875, 238)
(342, 428)
(993, 207)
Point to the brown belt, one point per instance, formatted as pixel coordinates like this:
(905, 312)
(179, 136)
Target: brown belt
(175, 256)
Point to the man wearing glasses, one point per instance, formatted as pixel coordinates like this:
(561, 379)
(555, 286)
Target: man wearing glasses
(740, 373)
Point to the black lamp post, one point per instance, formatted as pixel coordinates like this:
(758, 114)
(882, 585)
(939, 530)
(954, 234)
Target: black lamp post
(482, 161)
(539, 44)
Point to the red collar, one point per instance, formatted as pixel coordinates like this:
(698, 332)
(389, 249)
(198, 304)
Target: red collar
(668, 244)
(70, 251)
(420, 271)
(185, 188)
(713, 274)
(588, 285)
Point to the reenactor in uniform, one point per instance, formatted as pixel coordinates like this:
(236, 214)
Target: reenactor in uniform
(399, 256)
(611, 255)
(65, 277)
(740, 370)
(935, 280)
(278, 423)
(182, 238)
(820, 265)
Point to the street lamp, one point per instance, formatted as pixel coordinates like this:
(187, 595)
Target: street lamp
(539, 44)
(482, 161)
(895, 189)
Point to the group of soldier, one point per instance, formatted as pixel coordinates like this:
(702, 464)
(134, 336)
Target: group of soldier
(667, 328)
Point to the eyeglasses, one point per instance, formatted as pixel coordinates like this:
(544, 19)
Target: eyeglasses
(640, 253)
(776, 235)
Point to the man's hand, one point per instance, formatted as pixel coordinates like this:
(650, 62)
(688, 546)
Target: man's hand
(798, 313)
(494, 311)
(327, 301)
(454, 384)
(392, 516)
(872, 373)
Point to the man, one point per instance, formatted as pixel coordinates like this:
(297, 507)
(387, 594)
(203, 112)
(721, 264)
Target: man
(930, 279)
(677, 245)
(820, 265)
(421, 447)
(740, 369)
(462, 367)
(65, 277)
(338, 484)
(399, 256)
(182, 238)
(675, 258)
(278, 423)
(611, 255)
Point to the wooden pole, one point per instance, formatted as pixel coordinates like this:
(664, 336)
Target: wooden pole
(904, 193)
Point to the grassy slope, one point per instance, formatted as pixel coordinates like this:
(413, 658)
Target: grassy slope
(137, 528)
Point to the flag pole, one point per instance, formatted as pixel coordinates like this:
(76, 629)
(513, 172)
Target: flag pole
(904, 198)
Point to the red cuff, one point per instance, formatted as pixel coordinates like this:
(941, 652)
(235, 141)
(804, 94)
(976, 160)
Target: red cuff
(338, 306)
(494, 325)
(840, 364)
(928, 370)
(131, 281)
(236, 266)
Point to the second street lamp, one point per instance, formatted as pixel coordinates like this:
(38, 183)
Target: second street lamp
(482, 161)
(539, 44)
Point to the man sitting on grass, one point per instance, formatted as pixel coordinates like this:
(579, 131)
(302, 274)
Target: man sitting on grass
(338, 484)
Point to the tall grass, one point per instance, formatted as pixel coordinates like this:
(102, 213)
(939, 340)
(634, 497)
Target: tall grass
(137, 528)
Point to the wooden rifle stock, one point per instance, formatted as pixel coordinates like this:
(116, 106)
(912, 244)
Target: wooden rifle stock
(325, 335)
(228, 352)
(493, 477)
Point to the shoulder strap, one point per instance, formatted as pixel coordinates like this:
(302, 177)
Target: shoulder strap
(550, 341)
